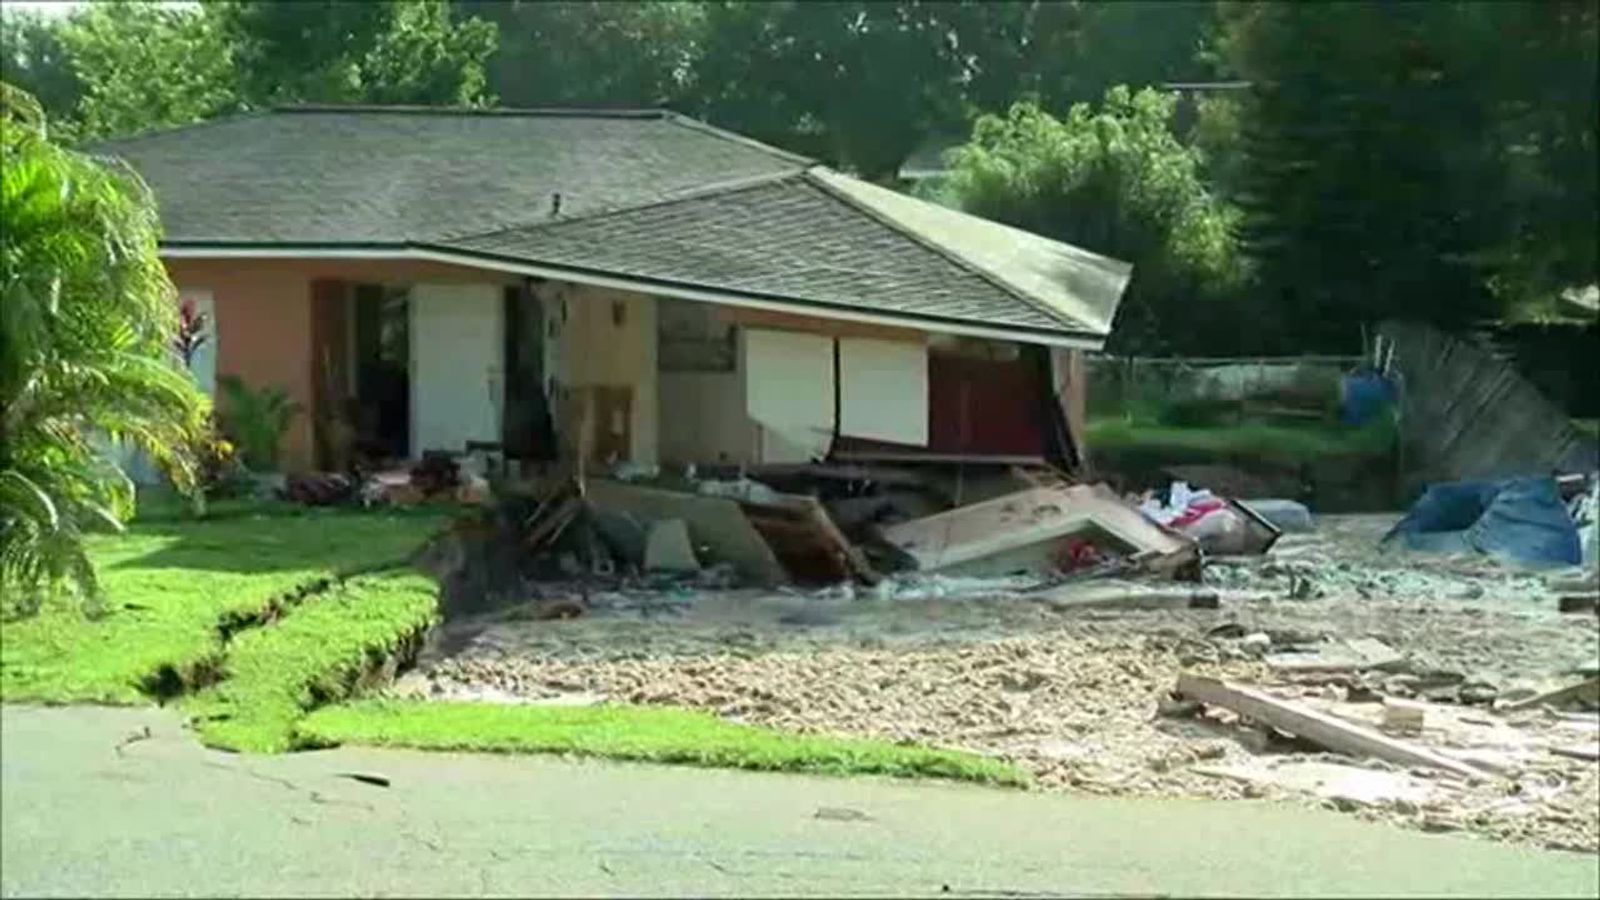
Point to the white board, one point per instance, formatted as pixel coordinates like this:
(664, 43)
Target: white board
(457, 365)
(883, 390)
(789, 389)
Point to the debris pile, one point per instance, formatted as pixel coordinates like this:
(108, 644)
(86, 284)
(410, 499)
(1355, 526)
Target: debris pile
(815, 526)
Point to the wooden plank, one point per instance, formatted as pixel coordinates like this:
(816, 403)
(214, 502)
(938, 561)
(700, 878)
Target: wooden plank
(1588, 689)
(1316, 726)
(1134, 596)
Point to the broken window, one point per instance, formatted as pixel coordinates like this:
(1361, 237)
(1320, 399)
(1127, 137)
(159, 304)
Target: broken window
(691, 337)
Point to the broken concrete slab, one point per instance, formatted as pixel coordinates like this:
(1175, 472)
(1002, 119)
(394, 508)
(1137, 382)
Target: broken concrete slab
(1023, 530)
(667, 548)
(713, 522)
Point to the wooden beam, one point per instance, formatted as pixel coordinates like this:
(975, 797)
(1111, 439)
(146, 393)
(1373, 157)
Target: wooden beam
(1316, 726)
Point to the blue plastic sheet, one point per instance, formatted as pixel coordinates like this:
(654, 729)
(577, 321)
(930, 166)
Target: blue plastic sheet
(1518, 519)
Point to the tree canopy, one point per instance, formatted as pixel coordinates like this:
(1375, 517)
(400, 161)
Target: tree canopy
(1434, 160)
(1116, 180)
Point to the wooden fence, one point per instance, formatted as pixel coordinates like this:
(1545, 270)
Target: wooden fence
(1466, 414)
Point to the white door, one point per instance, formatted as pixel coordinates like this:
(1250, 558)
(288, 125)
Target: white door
(456, 365)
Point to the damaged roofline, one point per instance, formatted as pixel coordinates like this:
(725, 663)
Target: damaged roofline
(480, 260)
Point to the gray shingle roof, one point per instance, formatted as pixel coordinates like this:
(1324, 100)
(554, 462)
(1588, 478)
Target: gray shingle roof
(387, 175)
(783, 237)
(646, 195)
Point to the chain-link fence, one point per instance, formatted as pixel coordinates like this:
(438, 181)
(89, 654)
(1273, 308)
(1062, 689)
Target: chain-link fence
(1201, 391)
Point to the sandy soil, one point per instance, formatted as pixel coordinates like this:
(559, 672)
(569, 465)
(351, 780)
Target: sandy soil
(1082, 698)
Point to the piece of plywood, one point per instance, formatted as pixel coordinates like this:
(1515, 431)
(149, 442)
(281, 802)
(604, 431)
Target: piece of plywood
(1027, 518)
(1315, 726)
(883, 390)
(714, 522)
(789, 388)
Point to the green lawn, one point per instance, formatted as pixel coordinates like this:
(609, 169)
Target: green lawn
(170, 584)
(174, 584)
(650, 734)
(318, 653)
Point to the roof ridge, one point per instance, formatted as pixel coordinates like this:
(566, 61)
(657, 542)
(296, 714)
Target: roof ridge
(957, 259)
(691, 122)
(699, 192)
(576, 112)
(226, 118)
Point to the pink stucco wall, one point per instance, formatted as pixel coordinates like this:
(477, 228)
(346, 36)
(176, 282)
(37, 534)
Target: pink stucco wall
(264, 319)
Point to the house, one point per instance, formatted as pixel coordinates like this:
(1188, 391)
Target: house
(634, 285)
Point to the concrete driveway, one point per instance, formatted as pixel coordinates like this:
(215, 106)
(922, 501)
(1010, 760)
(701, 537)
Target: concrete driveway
(91, 807)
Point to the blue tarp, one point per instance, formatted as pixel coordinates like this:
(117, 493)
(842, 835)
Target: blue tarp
(1363, 395)
(1519, 519)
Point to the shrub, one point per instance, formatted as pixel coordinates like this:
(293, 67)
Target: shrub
(256, 419)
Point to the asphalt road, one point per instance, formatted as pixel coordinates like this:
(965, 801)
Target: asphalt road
(87, 810)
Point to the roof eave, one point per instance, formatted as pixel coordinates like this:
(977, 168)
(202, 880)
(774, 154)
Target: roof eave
(189, 249)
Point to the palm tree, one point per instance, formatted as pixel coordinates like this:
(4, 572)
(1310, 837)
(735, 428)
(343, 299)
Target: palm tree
(87, 323)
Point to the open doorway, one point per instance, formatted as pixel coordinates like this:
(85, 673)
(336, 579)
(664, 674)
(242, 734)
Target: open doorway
(529, 433)
(382, 349)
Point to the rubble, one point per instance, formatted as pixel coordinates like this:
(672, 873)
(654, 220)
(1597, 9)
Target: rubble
(1067, 673)
(1016, 614)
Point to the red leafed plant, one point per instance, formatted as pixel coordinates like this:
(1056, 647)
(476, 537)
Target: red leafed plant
(191, 334)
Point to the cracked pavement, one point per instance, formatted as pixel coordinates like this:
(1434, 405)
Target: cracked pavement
(87, 811)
